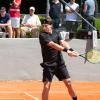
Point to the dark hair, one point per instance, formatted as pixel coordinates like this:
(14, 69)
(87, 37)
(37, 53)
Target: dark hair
(47, 21)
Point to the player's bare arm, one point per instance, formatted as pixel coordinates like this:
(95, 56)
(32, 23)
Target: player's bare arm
(64, 47)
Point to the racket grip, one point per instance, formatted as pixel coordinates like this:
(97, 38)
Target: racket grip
(65, 49)
(71, 49)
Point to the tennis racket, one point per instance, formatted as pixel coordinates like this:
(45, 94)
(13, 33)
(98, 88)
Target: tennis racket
(92, 56)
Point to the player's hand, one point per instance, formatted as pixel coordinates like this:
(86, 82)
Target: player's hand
(72, 53)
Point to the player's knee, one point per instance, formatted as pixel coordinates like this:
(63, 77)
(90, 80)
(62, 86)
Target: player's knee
(69, 81)
(47, 86)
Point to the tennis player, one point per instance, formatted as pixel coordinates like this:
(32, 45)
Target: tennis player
(53, 63)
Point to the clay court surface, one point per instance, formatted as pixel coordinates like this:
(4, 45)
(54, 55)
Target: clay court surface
(31, 90)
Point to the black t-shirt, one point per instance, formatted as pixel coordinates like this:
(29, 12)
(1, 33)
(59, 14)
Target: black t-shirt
(4, 19)
(50, 55)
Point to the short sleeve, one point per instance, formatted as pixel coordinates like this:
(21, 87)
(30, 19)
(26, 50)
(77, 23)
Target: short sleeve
(44, 38)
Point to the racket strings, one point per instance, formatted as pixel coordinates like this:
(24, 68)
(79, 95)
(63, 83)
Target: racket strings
(93, 56)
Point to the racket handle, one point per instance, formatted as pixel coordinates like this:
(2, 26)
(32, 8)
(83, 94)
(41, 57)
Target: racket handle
(82, 56)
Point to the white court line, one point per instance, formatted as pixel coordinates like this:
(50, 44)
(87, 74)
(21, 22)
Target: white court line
(33, 97)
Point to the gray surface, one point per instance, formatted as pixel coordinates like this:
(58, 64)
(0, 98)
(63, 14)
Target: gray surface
(20, 60)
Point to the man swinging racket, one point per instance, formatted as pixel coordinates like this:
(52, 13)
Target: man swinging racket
(53, 63)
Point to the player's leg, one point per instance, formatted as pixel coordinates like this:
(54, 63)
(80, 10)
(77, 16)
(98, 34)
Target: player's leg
(63, 75)
(46, 89)
(47, 79)
(70, 88)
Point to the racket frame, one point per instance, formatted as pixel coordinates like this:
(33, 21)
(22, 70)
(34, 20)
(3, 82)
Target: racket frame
(85, 57)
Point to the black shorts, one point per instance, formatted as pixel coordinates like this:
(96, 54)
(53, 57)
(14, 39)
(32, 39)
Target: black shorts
(60, 72)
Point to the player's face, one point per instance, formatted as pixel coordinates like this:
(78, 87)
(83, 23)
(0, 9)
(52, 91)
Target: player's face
(47, 28)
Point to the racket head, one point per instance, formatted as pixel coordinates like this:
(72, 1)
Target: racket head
(93, 56)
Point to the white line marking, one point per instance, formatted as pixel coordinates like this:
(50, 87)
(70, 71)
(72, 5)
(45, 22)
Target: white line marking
(33, 97)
